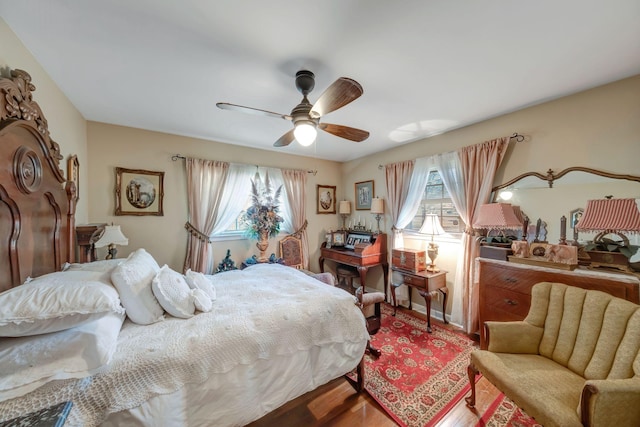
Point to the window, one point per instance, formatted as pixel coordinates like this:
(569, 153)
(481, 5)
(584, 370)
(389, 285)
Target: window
(436, 200)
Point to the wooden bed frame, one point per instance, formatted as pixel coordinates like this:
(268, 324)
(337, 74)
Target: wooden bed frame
(37, 203)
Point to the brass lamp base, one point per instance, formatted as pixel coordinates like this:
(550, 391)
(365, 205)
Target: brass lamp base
(432, 252)
(112, 251)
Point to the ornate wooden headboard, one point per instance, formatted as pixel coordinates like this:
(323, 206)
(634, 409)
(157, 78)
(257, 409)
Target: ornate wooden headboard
(37, 224)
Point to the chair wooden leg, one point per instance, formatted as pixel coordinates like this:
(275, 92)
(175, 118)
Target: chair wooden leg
(471, 372)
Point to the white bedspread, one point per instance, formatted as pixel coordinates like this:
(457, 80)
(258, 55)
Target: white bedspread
(265, 312)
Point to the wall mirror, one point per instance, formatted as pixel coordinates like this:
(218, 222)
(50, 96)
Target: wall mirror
(551, 195)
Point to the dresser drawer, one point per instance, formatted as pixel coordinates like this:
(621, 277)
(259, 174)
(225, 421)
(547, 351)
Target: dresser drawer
(505, 304)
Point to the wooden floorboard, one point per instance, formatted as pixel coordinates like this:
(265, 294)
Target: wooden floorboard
(338, 404)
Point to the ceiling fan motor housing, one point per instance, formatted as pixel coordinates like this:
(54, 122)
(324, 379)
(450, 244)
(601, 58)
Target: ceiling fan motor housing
(305, 81)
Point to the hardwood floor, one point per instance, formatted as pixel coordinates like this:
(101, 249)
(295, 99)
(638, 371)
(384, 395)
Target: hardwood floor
(337, 404)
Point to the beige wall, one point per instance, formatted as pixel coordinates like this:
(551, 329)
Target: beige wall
(164, 236)
(598, 128)
(66, 125)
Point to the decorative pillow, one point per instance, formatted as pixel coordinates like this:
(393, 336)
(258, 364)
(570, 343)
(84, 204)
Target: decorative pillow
(133, 279)
(197, 280)
(173, 293)
(55, 302)
(102, 266)
(201, 300)
(29, 362)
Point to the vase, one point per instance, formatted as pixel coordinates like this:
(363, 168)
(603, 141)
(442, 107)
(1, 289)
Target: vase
(262, 245)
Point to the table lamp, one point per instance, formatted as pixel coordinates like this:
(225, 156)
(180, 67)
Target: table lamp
(111, 237)
(377, 207)
(431, 227)
(610, 216)
(344, 210)
(497, 216)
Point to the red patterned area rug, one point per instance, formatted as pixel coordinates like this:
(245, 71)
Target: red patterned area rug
(420, 376)
(504, 413)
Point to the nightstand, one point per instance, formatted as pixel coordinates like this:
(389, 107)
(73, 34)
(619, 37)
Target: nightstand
(427, 283)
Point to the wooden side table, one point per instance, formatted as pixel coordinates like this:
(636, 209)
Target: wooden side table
(428, 284)
(85, 235)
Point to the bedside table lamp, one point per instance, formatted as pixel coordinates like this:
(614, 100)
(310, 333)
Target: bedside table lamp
(497, 216)
(111, 237)
(377, 207)
(344, 210)
(431, 227)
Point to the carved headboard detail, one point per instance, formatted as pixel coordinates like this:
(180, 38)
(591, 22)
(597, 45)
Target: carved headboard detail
(37, 211)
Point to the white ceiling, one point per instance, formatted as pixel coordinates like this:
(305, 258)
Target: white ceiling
(426, 66)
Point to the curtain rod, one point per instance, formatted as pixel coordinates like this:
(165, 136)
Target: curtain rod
(177, 157)
(516, 136)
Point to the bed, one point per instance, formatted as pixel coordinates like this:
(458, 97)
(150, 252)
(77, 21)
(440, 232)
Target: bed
(255, 338)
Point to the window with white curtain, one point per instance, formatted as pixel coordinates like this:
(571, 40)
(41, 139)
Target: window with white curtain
(436, 200)
(236, 228)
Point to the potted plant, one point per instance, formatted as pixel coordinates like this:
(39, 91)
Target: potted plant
(262, 218)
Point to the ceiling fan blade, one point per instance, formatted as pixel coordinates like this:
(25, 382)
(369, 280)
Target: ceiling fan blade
(250, 110)
(346, 132)
(285, 139)
(340, 93)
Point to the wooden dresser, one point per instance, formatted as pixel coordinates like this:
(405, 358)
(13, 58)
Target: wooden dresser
(505, 287)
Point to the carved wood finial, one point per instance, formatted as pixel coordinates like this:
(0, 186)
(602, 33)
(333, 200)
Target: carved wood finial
(16, 103)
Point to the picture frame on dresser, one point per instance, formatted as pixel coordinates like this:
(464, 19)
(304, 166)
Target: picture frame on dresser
(139, 192)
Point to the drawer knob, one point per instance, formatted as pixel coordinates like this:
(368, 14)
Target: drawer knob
(511, 302)
(510, 279)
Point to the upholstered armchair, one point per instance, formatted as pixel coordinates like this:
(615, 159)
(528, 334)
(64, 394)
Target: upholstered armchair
(291, 251)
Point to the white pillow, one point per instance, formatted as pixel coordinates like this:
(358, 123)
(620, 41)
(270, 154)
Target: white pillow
(29, 362)
(103, 266)
(133, 279)
(55, 302)
(173, 293)
(201, 300)
(197, 280)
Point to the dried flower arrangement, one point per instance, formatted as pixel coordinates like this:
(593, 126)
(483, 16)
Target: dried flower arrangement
(262, 216)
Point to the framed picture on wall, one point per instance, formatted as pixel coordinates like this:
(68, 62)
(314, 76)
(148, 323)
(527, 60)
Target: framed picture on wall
(139, 192)
(364, 194)
(73, 173)
(326, 199)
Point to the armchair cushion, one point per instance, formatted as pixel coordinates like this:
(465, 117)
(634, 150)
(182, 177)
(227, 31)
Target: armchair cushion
(513, 337)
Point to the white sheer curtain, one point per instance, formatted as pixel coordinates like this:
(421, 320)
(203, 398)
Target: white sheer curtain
(238, 183)
(408, 211)
(450, 170)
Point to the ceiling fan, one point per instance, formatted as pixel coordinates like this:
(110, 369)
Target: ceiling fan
(306, 117)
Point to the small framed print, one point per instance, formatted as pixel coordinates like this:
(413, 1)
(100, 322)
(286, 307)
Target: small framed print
(575, 216)
(139, 192)
(326, 199)
(364, 194)
(338, 238)
(73, 173)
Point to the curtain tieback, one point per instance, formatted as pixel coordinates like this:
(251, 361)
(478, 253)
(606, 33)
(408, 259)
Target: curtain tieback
(396, 230)
(196, 233)
(298, 232)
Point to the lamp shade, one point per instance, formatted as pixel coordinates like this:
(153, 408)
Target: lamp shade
(345, 207)
(431, 225)
(499, 216)
(377, 205)
(611, 214)
(305, 133)
(112, 235)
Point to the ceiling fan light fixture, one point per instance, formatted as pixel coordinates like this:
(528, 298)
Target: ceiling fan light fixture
(305, 133)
